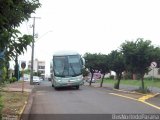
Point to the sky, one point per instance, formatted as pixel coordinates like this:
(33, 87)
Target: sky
(94, 26)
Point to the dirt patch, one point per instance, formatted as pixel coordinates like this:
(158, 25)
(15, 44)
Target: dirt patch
(13, 103)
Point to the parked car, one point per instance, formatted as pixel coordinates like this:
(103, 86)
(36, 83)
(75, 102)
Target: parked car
(25, 79)
(36, 80)
(41, 78)
(89, 79)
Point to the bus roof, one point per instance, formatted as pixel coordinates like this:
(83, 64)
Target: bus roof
(63, 53)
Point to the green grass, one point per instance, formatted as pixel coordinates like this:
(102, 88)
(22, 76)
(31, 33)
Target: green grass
(148, 83)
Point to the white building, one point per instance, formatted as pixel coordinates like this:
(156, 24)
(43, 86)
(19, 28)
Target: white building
(154, 73)
(38, 66)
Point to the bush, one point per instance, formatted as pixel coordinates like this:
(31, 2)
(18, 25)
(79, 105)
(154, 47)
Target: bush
(85, 72)
(10, 80)
(13, 79)
(127, 75)
(3, 72)
(111, 77)
(151, 78)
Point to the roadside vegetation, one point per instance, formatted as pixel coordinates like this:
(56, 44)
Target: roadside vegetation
(133, 57)
(12, 42)
(148, 83)
(13, 103)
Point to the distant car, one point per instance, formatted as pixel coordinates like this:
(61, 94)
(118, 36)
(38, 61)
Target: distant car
(49, 79)
(24, 78)
(41, 79)
(97, 75)
(36, 80)
(93, 80)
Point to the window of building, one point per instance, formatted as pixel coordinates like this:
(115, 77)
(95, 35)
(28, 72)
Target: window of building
(41, 67)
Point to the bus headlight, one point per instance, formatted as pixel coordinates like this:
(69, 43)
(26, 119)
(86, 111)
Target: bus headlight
(59, 80)
(79, 79)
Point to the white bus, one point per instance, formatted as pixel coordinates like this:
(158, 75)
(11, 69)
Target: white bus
(67, 69)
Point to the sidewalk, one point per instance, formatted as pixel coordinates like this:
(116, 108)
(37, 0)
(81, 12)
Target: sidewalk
(17, 86)
(125, 87)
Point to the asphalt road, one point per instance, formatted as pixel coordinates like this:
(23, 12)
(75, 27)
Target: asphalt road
(85, 103)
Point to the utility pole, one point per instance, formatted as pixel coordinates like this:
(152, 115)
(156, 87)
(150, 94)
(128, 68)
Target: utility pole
(32, 54)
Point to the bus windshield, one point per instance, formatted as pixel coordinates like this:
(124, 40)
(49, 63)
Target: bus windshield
(67, 65)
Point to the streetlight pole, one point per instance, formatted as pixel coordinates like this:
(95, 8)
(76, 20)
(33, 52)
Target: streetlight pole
(32, 55)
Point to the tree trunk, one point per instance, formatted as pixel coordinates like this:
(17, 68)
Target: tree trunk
(16, 70)
(142, 82)
(119, 79)
(102, 80)
(134, 76)
(118, 83)
(7, 73)
(91, 79)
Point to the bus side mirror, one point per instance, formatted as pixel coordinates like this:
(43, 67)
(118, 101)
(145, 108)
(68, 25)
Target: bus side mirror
(83, 61)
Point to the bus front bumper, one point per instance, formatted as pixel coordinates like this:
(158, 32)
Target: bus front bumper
(67, 84)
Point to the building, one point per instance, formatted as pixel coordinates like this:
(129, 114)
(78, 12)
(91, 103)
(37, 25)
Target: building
(154, 73)
(38, 67)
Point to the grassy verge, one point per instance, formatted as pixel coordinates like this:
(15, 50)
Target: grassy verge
(148, 83)
(13, 102)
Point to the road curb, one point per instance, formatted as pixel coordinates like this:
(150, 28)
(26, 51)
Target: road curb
(20, 113)
(141, 99)
(27, 108)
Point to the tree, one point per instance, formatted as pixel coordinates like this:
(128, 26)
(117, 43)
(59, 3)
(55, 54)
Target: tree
(139, 55)
(16, 47)
(102, 65)
(97, 62)
(116, 64)
(91, 63)
(12, 14)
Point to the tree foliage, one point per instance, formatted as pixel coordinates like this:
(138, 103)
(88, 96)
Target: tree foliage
(97, 62)
(138, 56)
(17, 45)
(14, 12)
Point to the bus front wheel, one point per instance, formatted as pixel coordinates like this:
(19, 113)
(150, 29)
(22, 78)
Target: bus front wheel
(77, 87)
